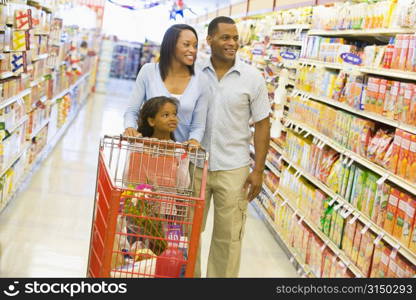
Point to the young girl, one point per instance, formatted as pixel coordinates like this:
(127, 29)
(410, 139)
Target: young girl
(158, 118)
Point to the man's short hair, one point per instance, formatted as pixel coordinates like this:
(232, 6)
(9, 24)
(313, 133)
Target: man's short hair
(213, 25)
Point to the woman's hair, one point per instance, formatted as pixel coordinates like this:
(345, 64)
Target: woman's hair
(149, 110)
(168, 47)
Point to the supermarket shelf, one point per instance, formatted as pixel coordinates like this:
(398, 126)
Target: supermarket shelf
(39, 57)
(276, 147)
(13, 99)
(273, 169)
(11, 163)
(37, 130)
(290, 252)
(369, 115)
(41, 156)
(19, 123)
(36, 82)
(408, 186)
(6, 75)
(286, 42)
(338, 252)
(292, 27)
(367, 70)
(363, 32)
(66, 91)
(39, 32)
(362, 217)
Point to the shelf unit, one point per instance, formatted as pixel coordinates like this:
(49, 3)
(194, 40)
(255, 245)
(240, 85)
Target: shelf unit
(291, 253)
(363, 113)
(13, 99)
(292, 27)
(286, 42)
(403, 183)
(363, 32)
(375, 71)
(351, 210)
(338, 252)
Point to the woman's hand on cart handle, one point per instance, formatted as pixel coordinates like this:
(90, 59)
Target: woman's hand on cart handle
(193, 143)
(131, 132)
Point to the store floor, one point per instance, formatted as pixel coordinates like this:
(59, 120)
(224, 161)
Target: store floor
(45, 231)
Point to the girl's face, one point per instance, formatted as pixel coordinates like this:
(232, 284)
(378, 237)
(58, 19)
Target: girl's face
(186, 47)
(165, 120)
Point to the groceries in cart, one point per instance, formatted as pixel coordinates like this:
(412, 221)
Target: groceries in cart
(147, 220)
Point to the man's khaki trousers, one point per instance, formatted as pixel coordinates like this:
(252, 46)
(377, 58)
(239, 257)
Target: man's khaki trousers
(230, 210)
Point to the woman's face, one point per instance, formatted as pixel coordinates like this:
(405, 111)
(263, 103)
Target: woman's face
(186, 48)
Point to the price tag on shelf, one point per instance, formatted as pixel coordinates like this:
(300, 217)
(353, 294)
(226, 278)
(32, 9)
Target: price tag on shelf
(294, 214)
(306, 135)
(301, 220)
(289, 166)
(378, 239)
(324, 246)
(394, 252)
(345, 162)
(297, 173)
(299, 271)
(300, 174)
(280, 159)
(284, 203)
(382, 179)
(332, 201)
(292, 259)
(338, 206)
(350, 163)
(348, 212)
(20, 101)
(321, 145)
(356, 216)
(275, 193)
(365, 229)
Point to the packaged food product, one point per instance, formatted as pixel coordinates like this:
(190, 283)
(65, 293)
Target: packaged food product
(408, 220)
(376, 264)
(411, 167)
(348, 239)
(404, 154)
(397, 141)
(356, 243)
(400, 215)
(391, 210)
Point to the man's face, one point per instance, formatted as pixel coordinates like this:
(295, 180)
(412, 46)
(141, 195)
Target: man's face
(224, 42)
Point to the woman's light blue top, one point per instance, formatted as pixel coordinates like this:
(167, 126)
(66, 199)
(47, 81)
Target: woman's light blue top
(192, 112)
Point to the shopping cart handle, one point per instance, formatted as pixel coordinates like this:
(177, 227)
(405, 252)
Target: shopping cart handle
(153, 142)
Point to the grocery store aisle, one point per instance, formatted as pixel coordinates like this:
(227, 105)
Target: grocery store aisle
(45, 231)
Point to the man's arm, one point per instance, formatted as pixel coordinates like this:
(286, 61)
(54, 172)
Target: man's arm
(261, 146)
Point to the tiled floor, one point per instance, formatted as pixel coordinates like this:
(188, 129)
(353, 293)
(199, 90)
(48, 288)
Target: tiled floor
(45, 231)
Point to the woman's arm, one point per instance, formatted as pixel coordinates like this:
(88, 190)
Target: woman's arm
(199, 116)
(136, 100)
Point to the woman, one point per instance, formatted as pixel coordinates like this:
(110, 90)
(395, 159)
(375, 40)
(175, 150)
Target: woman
(174, 76)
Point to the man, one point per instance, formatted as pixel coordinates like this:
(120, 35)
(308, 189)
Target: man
(240, 94)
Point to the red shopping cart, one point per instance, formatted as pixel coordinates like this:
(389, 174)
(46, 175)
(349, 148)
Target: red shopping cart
(147, 221)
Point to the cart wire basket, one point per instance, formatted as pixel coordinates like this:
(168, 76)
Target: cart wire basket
(147, 217)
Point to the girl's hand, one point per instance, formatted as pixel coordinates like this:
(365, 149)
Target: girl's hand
(193, 143)
(131, 132)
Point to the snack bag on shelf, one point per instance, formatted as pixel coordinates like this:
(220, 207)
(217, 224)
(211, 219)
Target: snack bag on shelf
(400, 215)
(381, 96)
(404, 154)
(23, 19)
(391, 210)
(360, 177)
(385, 149)
(376, 263)
(397, 141)
(330, 156)
(400, 101)
(380, 203)
(374, 144)
(366, 252)
(384, 262)
(412, 109)
(406, 104)
(408, 220)
(19, 40)
(366, 129)
(372, 89)
(390, 102)
(412, 242)
(348, 238)
(411, 167)
(356, 242)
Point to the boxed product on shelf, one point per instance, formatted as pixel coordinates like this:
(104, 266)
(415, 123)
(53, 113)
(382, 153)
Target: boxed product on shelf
(300, 16)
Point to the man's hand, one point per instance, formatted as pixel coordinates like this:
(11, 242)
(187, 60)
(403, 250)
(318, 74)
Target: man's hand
(131, 132)
(254, 180)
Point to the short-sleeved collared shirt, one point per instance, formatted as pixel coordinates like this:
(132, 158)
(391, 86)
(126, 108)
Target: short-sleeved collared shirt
(240, 96)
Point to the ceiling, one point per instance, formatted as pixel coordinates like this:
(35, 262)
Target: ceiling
(200, 7)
